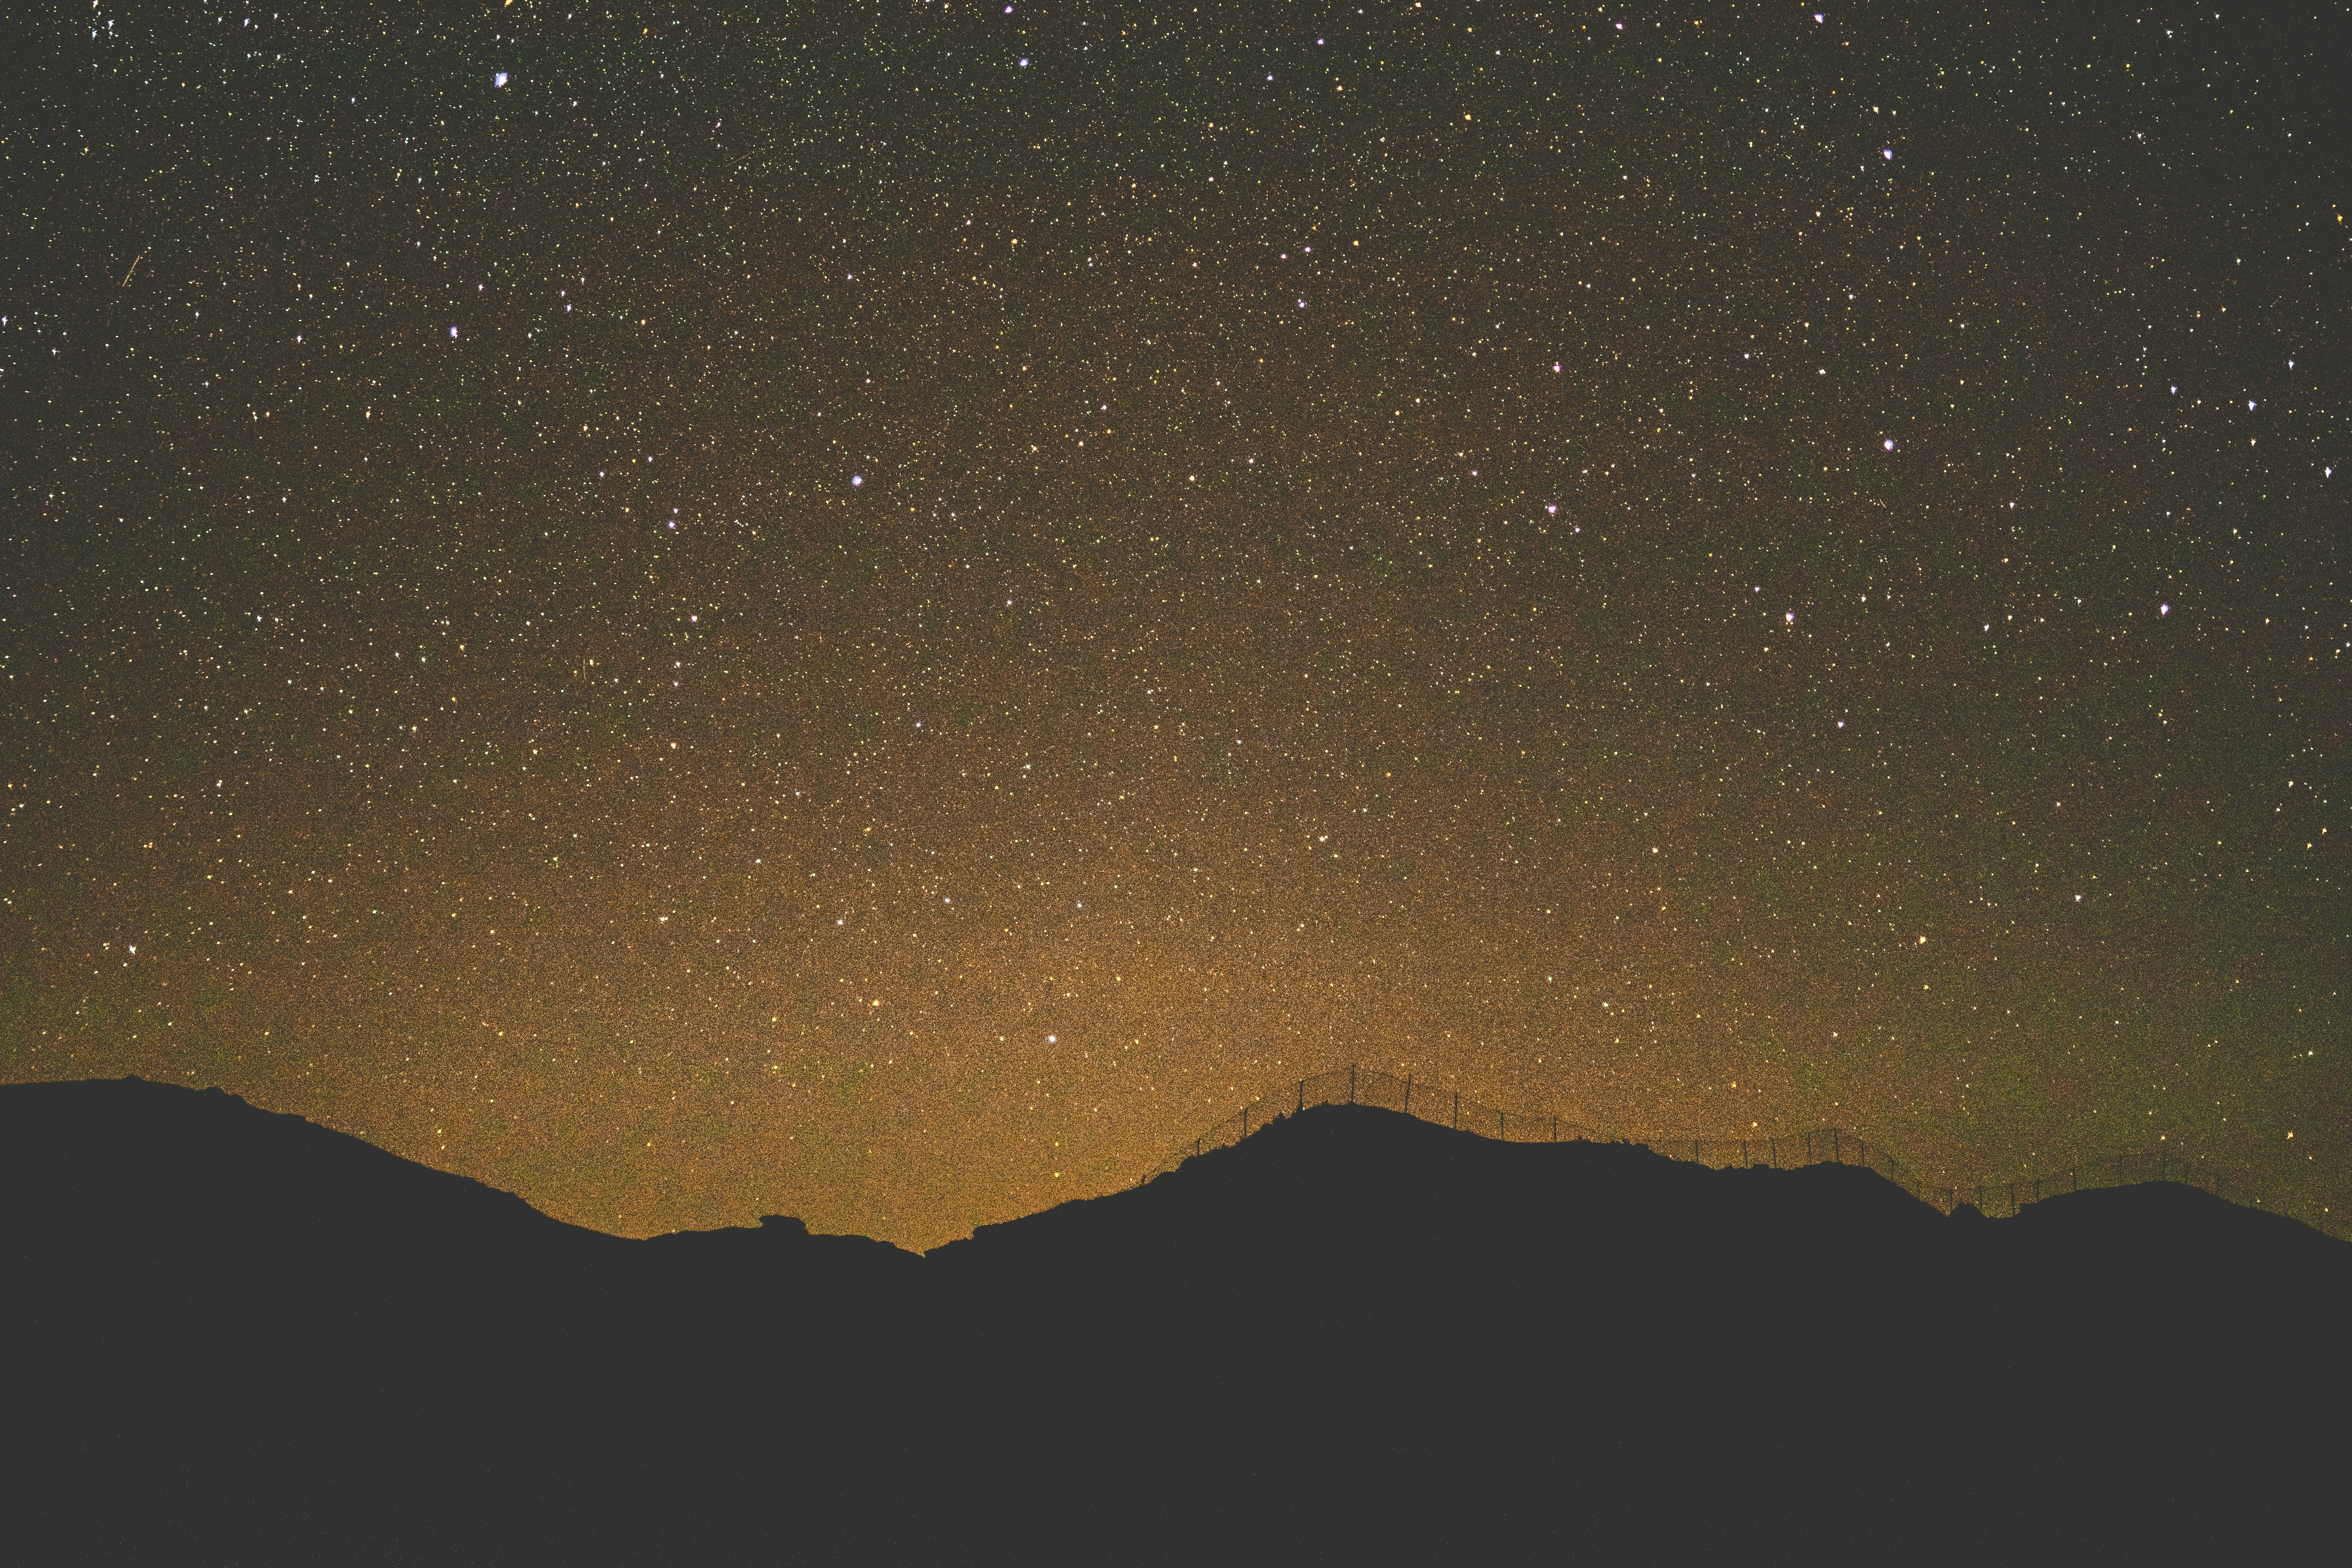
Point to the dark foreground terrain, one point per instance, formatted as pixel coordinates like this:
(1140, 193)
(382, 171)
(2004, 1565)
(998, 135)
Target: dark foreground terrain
(233, 1337)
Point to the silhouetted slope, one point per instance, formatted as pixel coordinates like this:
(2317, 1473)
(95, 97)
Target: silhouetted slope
(201, 1290)
(232, 1333)
(1352, 1337)
(1354, 1305)
(1460, 1345)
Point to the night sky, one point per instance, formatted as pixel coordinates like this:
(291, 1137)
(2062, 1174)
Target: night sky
(880, 611)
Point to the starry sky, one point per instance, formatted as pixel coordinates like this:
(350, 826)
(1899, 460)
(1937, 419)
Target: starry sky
(878, 612)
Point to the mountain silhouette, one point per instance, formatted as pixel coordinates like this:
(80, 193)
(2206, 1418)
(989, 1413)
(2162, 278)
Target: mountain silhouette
(236, 1337)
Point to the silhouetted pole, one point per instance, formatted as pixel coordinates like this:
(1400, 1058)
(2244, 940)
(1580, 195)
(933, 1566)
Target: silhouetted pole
(1351, 1083)
(1457, 1111)
(1244, 1121)
(1555, 1129)
(1408, 1094)
(1302, 1094)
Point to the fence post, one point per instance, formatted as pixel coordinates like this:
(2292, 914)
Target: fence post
(1502, 1125)
(1774, 1152)
(1244, 1121)
(1351, 1083)
(1196, 1147)
(1457, 1111)
(1555, 1129)
(1302, 1094)
(1408, 1094)
(1837, 1155)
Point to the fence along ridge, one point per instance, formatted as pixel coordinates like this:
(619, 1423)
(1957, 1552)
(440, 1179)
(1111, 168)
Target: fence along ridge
(1828, 1145)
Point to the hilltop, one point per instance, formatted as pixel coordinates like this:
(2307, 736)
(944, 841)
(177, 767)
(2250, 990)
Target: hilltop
(1353, 1335)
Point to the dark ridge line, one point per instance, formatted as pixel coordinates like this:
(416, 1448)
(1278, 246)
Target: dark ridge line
(1358, 1085)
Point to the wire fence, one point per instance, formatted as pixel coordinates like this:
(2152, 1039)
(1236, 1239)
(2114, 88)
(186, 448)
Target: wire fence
(1812, 1146)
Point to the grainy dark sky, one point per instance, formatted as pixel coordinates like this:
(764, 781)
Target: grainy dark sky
(877, 612)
